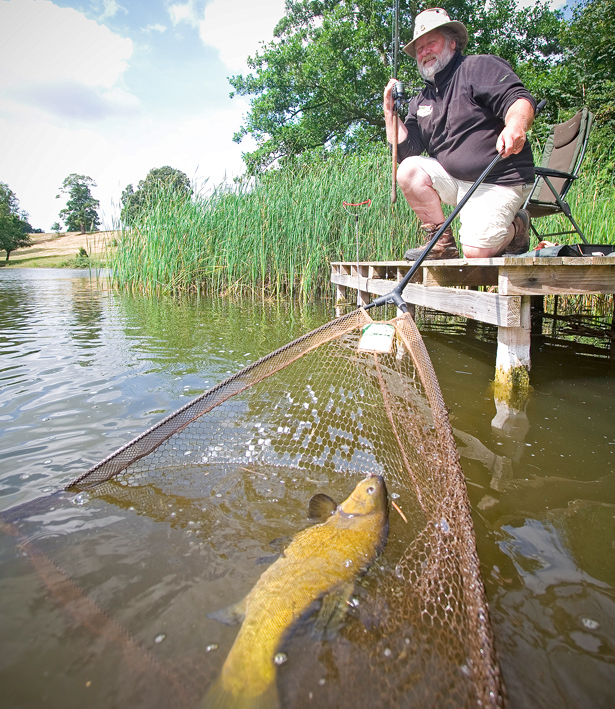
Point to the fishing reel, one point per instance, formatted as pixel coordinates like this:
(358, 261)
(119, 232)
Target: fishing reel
(399, 95)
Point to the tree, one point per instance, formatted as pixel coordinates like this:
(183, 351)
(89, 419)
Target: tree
(590, 58)
(160, 183)
(320, 82)
(12, 235)
(13, 222)
(80, 212)
(57, 227)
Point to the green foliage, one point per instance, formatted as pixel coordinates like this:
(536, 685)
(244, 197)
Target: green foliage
(159, 181)
(590, 58)
(81, 260)
(528, 35)
(12, 235)
(14, 226)
(80, 213)
(9, 204)
(278, 233)
(57, 227)
(320, 82)
(274, 235)
(583, 72)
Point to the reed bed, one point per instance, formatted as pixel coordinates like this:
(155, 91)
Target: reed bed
(278, 234)
(272, 236)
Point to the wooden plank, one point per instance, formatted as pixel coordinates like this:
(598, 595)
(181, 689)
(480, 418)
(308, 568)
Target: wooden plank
(460, 276)
(491, 308)
(552, 279)
(513, 261)
(499, 261)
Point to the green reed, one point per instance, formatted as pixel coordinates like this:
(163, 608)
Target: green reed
(278, 234)
(271, 236)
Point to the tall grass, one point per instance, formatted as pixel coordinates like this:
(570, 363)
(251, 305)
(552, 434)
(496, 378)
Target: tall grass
(278, 234)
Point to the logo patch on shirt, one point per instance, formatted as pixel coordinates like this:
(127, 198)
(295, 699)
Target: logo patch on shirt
(425, 110)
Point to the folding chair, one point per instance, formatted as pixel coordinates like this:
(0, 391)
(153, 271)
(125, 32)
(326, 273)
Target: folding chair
(561, 160)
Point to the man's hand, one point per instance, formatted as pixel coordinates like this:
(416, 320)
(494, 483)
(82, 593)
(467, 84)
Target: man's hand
(388, 95)
(390, 117)
(518, 120)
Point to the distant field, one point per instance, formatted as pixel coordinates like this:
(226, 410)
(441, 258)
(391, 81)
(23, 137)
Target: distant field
(53, 250)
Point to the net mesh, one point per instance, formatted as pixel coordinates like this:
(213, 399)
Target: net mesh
(321, 410)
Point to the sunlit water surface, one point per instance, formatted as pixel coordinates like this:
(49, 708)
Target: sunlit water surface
(84, 370)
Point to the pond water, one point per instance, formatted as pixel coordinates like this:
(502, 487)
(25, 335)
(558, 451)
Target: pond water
(85, 369)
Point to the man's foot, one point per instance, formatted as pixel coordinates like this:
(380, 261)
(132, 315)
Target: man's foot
(521, 240)
(445, 247)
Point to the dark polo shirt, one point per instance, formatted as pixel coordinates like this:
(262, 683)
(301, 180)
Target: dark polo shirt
(458, 117)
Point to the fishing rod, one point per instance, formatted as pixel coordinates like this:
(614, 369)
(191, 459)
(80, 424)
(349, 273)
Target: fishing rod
(398, 96)
(395, 295)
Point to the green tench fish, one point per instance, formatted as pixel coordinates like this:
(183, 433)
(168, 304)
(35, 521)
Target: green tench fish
(321, 561)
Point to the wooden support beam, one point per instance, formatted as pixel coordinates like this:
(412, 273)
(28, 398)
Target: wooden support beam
(546, 280)
(513, 362)
(340, 291)
(460, 276)
(362, 274)
(487, 307)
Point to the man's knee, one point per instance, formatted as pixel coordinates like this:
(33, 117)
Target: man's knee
(479, 252)
(410, 174)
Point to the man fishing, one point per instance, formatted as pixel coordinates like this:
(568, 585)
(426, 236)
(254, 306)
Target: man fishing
(470, 109)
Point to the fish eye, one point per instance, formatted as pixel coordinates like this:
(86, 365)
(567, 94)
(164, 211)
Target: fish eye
(370, 490)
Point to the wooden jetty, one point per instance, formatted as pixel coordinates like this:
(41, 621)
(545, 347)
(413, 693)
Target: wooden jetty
(451, 286)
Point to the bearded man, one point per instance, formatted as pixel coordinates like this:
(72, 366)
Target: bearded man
(470, 109)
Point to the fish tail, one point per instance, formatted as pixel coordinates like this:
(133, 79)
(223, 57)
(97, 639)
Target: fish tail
(220, 698)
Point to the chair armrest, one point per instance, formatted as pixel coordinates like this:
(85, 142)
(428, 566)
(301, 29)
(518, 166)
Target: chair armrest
(548, 172)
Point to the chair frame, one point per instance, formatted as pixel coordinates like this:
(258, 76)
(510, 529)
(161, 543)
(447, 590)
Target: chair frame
(544, 173)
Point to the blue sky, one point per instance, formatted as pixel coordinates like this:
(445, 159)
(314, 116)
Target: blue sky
(113, 88)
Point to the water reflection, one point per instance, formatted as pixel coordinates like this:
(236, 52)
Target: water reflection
(541, 479)
(84, 370)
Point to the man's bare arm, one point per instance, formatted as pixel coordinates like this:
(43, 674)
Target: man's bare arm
(518, 121)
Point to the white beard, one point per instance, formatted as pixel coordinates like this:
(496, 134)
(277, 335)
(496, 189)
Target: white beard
(429, 72)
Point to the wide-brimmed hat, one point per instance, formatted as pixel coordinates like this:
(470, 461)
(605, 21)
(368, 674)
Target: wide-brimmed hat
(432, 19)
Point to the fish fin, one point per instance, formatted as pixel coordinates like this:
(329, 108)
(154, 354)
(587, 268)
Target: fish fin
(280, 543)
(231, 615)
(321, 506)
(220, 698)
(333, 610)
(267, 559)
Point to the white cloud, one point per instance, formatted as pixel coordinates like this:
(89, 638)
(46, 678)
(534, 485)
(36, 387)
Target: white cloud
(236, 28)
(155, 28)
(40, 153)
(42, 42)
(186, 12)
(72, 100)
(65, 107)
(110, 9)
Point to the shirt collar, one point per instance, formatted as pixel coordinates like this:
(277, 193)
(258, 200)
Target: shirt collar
(442, 78)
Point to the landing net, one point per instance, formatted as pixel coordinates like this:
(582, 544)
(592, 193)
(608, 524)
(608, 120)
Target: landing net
(321, 410)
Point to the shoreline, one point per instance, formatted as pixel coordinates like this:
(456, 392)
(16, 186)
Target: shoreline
(51, 250)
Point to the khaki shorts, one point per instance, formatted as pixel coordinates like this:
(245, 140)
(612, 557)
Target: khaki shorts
(489, 211)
